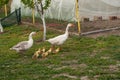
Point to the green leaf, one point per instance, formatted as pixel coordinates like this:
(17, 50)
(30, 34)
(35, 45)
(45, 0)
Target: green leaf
(3, 2)
(30, 3)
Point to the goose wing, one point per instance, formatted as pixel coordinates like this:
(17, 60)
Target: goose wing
(57, 40)
(21, 45)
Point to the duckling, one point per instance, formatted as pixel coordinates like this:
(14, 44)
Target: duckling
(50, 50)
(46, 53)
(36, 54)
(43, 50)
(57, 50)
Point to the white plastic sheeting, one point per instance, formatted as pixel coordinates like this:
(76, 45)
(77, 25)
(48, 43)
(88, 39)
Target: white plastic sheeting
(115, 3)
(61, 9)
(65, 9)
(105, 8)
(16, 4)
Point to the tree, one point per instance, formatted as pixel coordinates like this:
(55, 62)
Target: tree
(3, 2)
(40, 7)
(1, 28)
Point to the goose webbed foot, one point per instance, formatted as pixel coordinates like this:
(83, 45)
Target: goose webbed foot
(21, 51)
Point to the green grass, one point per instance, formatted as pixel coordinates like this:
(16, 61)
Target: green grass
(95, 58)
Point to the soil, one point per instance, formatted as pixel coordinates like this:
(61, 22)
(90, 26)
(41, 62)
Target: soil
(65, 75)
(85, 26)
(105, 34)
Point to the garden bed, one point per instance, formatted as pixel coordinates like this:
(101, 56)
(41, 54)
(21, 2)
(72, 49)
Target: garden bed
(85, 26)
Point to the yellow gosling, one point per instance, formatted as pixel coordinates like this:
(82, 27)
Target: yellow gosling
(44, 54)
(50, 50)
(57, 50)
(37, 53)
(43, 50)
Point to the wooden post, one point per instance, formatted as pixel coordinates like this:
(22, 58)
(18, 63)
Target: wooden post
(33, 14)
(77, 16)
(5, 10)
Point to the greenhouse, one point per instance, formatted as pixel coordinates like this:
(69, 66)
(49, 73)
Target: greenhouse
(65, 10)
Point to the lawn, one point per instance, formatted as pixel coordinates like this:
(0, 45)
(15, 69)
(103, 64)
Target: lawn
(81, 58)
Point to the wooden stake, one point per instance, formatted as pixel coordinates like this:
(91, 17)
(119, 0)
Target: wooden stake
(33, 14)
(5, 10)
(77, 16)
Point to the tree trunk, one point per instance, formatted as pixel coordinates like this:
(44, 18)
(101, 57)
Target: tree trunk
(40, 10)
(44, 27)
(1, 28)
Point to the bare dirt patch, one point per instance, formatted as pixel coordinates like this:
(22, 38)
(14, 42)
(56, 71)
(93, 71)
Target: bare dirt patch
(84, 78)
(69, 62)
(96, 77)
(113, 68)
(72, 66)
(85, 27)
(66, 75)
(105, 57)
(105, 34)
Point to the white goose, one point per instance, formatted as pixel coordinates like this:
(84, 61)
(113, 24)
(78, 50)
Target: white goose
(59, 40)
(24, 45)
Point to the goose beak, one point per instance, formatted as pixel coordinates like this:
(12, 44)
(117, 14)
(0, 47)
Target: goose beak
(34, 33)
(72, 25)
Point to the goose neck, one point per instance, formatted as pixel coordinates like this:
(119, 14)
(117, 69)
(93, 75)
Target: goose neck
(30, 37)
(67, 28)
